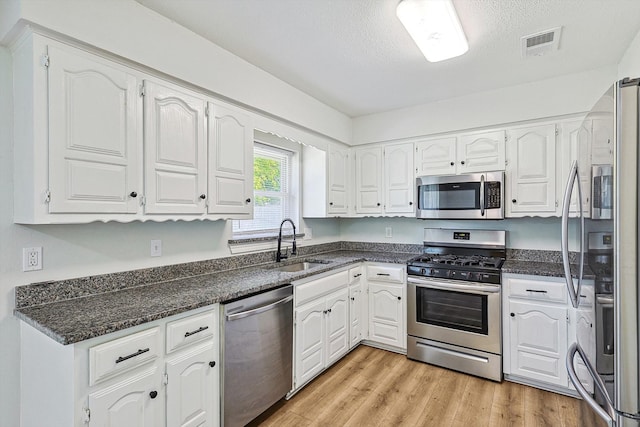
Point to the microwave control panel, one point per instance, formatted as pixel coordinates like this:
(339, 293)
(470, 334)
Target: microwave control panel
(493, 195)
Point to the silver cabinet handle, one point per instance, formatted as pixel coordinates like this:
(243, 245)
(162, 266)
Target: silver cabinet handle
(259, 310)
(132, 355)
(200, 329)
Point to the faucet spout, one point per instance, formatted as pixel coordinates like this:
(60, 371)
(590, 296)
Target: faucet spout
(279, 255)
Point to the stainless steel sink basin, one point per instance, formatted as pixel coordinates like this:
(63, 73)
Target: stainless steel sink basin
(299, 266)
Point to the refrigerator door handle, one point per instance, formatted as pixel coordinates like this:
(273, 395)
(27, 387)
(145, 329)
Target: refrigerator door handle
(574, 178)
(607, 415)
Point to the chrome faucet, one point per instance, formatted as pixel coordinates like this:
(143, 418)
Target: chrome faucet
(279, 255)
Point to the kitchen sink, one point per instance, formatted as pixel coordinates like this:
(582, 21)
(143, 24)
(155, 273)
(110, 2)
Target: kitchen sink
(299, 266)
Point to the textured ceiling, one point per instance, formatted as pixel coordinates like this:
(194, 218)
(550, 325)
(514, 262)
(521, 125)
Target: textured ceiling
(355, 56)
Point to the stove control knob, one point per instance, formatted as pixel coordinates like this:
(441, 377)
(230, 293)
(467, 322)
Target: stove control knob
(423, 271)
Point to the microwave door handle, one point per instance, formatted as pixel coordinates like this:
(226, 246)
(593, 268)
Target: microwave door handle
(566, 203)
(481, 195)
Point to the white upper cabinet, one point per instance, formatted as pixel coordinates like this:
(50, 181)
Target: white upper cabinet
(602, 142)
(175, 150)
(531, 172)
(230, 162)
(94, 135)
(338, 180)
(481, 152)
(575, 141)
(436, 156)
(467, 153)
(369, 180)
(399, 183)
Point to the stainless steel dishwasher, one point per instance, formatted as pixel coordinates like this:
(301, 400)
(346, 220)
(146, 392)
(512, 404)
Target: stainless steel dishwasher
(257, 352)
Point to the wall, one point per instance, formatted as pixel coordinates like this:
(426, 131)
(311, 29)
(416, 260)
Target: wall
(574, 93)
(629, 65)
(166, 46)
(522, 233)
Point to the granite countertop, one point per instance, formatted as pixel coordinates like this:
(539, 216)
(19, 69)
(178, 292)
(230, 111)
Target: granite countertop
(77, 319)
(542, 268)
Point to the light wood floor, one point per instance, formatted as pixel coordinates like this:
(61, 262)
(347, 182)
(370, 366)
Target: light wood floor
(372, 387)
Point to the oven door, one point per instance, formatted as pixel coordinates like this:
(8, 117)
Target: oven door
(466, 314)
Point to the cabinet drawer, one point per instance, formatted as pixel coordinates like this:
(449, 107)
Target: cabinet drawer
(123, 354)
(537, 290)
(311, 290)
(181, 333)
(355, 274)
(386, 273)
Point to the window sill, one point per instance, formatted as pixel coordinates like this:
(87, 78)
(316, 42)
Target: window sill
(258, 242)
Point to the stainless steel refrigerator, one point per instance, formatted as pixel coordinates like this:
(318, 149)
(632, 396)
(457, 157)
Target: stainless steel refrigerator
(614, 208)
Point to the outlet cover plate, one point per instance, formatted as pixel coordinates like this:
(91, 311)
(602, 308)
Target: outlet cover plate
(32, 258)
(156, 248)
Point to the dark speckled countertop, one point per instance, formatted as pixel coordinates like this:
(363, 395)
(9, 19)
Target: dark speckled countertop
(538, 268)
(72, 320)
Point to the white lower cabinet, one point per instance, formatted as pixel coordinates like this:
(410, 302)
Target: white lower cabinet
(321, 331)
(134, 401)
(538, 335)
(386, 314)
(386, 292)
(191, 378)
(126, 378)
(356, 307)
(539, 324)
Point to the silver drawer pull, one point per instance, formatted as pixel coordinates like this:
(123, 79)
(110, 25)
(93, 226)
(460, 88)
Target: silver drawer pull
(200, 329)
(137, 353)
(383, 274)
(536, 291)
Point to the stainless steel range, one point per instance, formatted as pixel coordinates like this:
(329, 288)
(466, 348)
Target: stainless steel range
(454, 301)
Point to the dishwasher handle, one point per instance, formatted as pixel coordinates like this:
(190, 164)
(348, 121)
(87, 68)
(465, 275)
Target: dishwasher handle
(258, 310)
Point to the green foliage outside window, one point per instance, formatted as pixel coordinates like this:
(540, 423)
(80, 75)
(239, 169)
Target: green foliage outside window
(266, 177)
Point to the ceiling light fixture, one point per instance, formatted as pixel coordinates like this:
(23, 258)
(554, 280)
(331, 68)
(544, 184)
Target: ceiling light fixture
(434, 26)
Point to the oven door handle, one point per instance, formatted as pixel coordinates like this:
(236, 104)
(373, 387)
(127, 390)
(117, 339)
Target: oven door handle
(450, 286)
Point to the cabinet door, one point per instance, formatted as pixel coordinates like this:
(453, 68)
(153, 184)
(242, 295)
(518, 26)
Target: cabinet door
(386, 316)
(602, 143)
(531, 187)
(94, 136)
(338, 181)
(191, 397)
(436, 157)
(576, 145)
(369, 180)
(175, 151)
(538, 336)
(310, 341)
(337, 343)
(399, 183)
(481, 152)
(129, 403)
(231, 162)
(355, 314)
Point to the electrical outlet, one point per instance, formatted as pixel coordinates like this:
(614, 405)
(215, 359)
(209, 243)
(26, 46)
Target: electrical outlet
(32, 258)
(388, 232)
(308, 234)
(156, 248)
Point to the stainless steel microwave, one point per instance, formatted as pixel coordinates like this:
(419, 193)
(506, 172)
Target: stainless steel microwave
(602, 192)
(474, 196)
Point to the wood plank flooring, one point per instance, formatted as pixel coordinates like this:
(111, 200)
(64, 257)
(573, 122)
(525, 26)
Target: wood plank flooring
(372, 387)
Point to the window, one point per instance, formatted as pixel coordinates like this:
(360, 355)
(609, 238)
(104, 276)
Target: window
(273, 191)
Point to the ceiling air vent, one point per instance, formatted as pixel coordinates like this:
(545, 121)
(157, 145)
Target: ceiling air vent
(541, 43)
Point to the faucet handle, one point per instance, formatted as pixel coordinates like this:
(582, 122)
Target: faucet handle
(293, 247)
